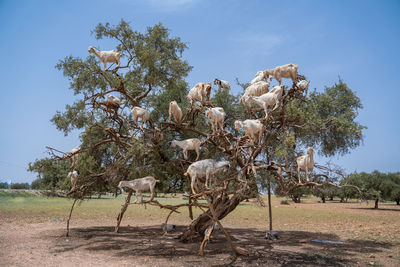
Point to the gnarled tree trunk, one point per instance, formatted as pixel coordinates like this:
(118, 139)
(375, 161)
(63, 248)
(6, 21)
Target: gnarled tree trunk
(223, 205)
(376, 203)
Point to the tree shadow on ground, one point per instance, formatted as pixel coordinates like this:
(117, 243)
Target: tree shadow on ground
(378, 209)
(292, 249)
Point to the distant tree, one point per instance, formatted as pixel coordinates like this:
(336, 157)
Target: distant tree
(391, 187)
(396, 194)
(327, 192)
(3, 185)
(37, 184)
(52, 175)
(377, 186)
(297, 193)
(20, 186)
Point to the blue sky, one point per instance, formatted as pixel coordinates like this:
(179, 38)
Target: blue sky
(356, 40)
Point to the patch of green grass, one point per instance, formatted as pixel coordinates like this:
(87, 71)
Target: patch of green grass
(4, 194)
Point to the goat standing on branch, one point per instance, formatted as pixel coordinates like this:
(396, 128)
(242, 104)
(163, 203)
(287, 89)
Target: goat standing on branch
(260, 76)
(306, 163)
(303, 85)
(252, 128)
(74, 178)
(268, 99)
(188, 144)
(113, 99)
(222, 84)
(284, 71)
(216, 117)
(199, 92)
(74, 154)
(112, 56)
(175, 110)
(255, 89)
(138, 185)
(139, 112)
(204, 168)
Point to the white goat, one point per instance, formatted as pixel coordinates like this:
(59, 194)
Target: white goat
(74, 154)
(252, 128)
(303, 85)
(74, 178)
(216, 117)
(188, 144)
(176, 111)
(113, 99)
(260, 75)
(222, 84)
(255, 89)
(112, 56)
(306, 163)
(139, 112)
(198, 92)
(269, 99)
(204, 168)
(284, 71)
(142, 184)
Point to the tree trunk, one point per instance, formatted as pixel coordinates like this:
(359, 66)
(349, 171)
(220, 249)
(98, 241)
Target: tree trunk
(296, 199)
(223, 205)
(376, 203)
(323, 199)
(398, 201)
(331, 198)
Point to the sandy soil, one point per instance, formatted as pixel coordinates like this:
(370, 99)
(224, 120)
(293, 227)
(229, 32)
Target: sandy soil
(95, 244)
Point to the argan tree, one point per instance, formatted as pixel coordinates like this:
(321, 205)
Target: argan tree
(152, 74)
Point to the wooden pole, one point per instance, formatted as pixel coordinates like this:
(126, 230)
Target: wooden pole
(271, 234)
(269, 203)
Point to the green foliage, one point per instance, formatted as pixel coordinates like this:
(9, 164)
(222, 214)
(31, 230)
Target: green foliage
(52, 175)
(6, 195)
(377, 185)
(20, 186)
(328, 119)
(295, 193)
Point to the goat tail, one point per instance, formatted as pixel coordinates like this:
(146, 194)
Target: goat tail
(157, 181)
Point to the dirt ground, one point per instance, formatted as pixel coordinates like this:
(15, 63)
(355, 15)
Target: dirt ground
(94, 243)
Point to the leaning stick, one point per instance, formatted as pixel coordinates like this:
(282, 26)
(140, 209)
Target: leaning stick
(123, 209)
(69, 218)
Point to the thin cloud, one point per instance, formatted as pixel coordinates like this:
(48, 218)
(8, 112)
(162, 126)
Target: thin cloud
(258, 43)
(170, 5)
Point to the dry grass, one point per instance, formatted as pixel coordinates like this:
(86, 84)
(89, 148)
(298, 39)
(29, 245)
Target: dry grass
(349, 220)
(362, 228)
